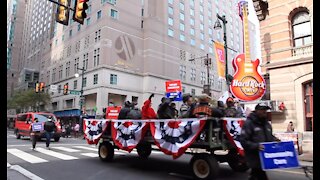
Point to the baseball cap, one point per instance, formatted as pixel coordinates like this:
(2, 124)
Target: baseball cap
(262, 106)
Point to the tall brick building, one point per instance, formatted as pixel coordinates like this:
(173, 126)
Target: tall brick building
(287, 48)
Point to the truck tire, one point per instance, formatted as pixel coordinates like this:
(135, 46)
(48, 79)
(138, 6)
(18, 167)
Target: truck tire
(144, 150)
(204, 166)
(237, 162)
(106, 151)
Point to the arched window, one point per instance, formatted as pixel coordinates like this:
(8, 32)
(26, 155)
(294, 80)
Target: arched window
(301, 28)
(308, 105)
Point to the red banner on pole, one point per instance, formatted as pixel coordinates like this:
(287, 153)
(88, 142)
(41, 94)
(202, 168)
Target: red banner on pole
(173, 86)
(220, 58)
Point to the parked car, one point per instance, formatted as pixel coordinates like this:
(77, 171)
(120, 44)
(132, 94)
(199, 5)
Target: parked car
(24, 120)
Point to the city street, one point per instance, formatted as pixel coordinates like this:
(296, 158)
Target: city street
(72, 158)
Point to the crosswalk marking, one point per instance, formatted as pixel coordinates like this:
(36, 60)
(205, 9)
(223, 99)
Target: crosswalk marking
(90, 154)
(55, 154)
(66, 149)
(26, 156)
(87, 148)
(8, 165)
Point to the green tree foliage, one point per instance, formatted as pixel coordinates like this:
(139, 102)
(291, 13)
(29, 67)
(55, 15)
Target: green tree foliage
(28, 99)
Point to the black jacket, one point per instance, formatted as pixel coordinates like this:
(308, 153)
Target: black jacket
(205, 109)
(49, 126)
(165, 111)
(253, 132)
(123, 114)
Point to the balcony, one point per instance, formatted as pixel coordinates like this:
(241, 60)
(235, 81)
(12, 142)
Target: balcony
(302, 51)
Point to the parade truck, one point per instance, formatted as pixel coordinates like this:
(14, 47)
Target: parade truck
(209, 140)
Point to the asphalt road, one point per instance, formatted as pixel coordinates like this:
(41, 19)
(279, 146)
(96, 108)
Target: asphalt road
(72, 158)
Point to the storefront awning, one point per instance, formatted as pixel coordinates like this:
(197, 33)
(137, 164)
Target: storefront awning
(67, 113)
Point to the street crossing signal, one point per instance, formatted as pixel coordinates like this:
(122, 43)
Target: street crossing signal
(37, 87)
(65, 89)
(80, 8)
(41, 87)
(62, 15)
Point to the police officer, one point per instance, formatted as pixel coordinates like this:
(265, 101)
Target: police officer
(255, 130)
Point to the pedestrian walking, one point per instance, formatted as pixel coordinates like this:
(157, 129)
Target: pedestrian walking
(256, 130)
(50, 128)
(147, 111)
(34, 134)
(76, 130)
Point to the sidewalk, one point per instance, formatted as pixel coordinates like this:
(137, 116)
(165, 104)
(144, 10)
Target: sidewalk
(307, 156)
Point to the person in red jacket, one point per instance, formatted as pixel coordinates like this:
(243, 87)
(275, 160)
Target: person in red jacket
(147, 111)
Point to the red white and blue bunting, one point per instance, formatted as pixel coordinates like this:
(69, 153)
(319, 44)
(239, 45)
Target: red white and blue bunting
(232, 128)
(93, 129)
(174, 137)
(127, 134)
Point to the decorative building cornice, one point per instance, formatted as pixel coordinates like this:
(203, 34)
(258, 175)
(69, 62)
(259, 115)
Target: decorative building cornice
(261, 7)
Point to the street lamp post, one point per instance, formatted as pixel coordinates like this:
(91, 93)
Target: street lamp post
(206, 88)
(81, 93)
(217, 26)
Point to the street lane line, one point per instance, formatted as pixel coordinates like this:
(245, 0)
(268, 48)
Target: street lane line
(65, 149)
(26, 156)
(8, 165)
(25, 172)
(90, 154)
(55, 154)
(87, 148)
(12, 135)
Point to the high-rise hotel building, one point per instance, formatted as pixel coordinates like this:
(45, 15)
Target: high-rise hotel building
(130, 48)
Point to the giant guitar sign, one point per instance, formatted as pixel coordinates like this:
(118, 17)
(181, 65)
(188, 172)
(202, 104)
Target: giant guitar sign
(247, 83)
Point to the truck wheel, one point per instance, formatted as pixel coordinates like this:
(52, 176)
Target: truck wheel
(204, 166)
(144, 150)
(18, 136)
(56, 139)
(106, 151)
(237, 162)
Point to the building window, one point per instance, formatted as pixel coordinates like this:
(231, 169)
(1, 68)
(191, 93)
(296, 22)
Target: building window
(99, 14)
(192, 3)
(76, 65)
(183, 72)
(182, 37)
(211, 80)
(192, 12)
(75, 84)
(193, 74)
(202, 46)
(203, 77)
(170, 21)
(88, 21)
(301, 28)
(59, 89)
(170, 10)
(95, 79)
(85, 61)
(182, 16)
(201, 17)
(192, 31)
(79, 27)
(97, 38)
(183, 89)
(210, 31)
(181, 6)
(201, 26)
(84, 82)
(181, 27)
(193, 92)
(70, 33)
(170, 32)
(89, 9)
(68, 69)
(308, 105)
(113, 79)
(191, 21)
(170, 1)
(202, 36)
(192, 42)
(96, 57)
(114, 14)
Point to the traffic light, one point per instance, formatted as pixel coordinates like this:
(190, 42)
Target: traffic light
(62, 15)
(41, 87)
(80, 8)
(65, 89)
(37, 87)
